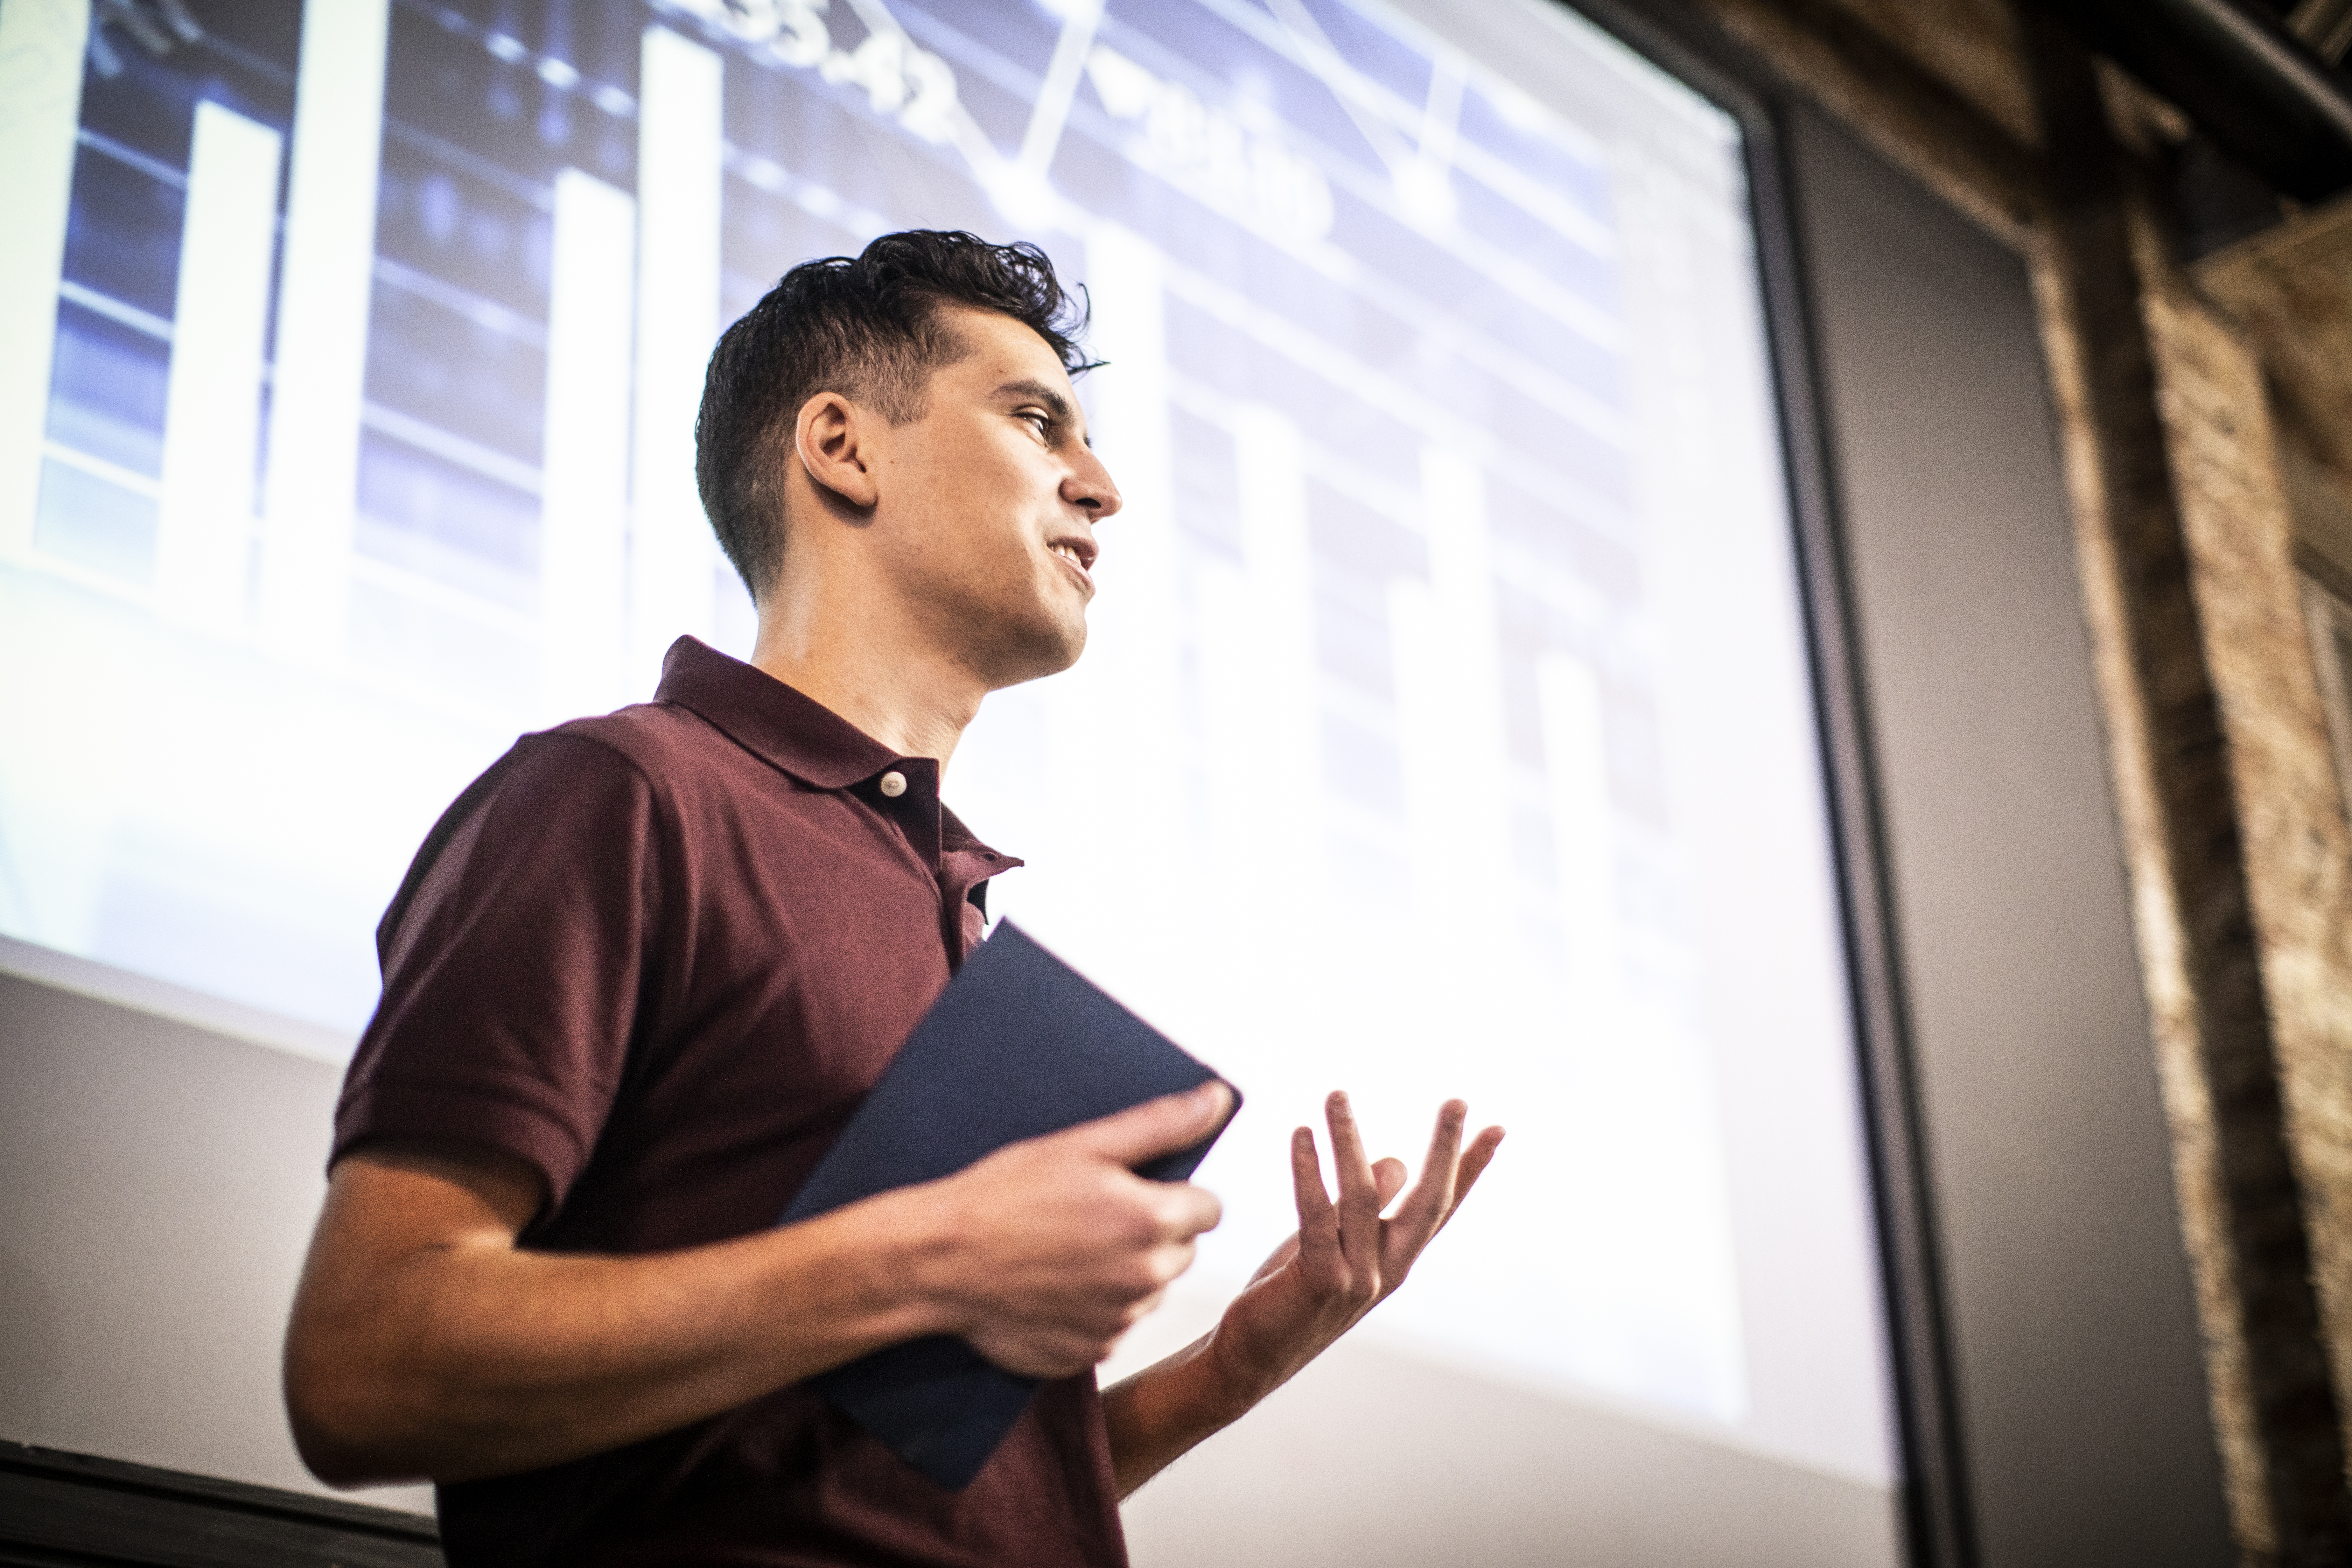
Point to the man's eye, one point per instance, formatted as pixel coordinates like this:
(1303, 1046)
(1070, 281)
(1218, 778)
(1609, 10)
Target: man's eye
(1041, 422)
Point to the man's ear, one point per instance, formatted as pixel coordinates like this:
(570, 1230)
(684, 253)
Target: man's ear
(833, 438)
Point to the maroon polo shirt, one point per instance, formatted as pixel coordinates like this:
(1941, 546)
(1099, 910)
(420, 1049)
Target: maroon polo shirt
(661, 956)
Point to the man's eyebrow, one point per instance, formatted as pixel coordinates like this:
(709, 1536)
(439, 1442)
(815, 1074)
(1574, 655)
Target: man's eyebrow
(1058, 405)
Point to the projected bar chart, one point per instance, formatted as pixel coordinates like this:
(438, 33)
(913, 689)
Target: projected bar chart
(681, 175)
(1444, 727)
(583, 519)
(212, 400)
(318, 384)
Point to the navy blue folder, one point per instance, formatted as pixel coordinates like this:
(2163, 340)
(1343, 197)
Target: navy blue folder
(1018, 1046)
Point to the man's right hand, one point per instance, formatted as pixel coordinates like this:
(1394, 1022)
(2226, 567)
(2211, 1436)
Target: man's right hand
(426, 1343)
(1058, 1247)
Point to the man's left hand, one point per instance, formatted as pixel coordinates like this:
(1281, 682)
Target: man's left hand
(1344, 1260)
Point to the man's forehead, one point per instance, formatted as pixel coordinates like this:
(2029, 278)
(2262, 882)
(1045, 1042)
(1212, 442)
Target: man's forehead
(1003, 349)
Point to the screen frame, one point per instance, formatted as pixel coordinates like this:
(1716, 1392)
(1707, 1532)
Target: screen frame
(1933, 1489)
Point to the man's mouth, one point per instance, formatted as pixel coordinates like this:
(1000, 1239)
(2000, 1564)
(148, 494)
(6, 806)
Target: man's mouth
(1078, 553)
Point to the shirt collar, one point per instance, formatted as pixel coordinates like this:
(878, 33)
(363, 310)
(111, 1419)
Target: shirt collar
(769, 718)
(796, 732)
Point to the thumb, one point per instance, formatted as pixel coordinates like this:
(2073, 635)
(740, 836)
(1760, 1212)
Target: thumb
(1156, 1127)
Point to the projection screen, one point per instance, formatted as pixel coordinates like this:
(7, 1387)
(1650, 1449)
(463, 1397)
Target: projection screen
(1446, 724)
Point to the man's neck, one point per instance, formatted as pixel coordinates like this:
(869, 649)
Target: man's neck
(914, 699)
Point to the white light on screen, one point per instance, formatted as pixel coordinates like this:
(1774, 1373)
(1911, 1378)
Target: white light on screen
(583, 508)
(1448, 673)
(212, 405)
(1268, 778)
(680, 172)
(1584, 841)
(310, 490)
(1458, 1030)
(1254, 630)
(43, 42)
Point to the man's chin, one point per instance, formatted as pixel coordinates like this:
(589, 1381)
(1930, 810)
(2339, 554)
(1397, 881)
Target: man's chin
(1036, 659)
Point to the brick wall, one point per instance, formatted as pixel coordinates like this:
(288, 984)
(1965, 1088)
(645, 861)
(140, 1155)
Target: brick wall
(2206, 424)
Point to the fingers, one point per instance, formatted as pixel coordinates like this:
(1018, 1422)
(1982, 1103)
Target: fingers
(1318, 1225)
(1348, 1240)
(1433, 1196)
(1360, 1195)
(1184, 1210)
(1156, 1127)
(1169, 1263)
(1315, 1213)
(1474, 1163)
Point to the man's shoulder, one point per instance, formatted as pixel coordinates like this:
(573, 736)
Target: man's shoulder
(660, 741)
(667, 753)
(627, 761)
(579, 788)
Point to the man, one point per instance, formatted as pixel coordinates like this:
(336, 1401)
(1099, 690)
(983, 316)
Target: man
(645, 968)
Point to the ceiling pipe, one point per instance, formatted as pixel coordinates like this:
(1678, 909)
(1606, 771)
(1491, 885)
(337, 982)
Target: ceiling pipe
(2256, 89)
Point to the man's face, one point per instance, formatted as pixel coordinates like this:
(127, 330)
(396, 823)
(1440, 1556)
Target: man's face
(987, 504)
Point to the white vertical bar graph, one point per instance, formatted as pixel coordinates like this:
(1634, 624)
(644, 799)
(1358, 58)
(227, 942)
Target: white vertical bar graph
(1425, 744)
(1280, 558)
(1465, 656)
(212, 402)
(583, 517)
(42, 43)
(1268, 814)
(1258, 998)
(1286, 761)
(1119, 728)
(1462, 578)
(680, 128)
(310, 492)
(1237, 790)
(1583, 838)
(1447, 670)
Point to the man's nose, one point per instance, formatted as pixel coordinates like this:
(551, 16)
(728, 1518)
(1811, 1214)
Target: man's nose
(1091, 485)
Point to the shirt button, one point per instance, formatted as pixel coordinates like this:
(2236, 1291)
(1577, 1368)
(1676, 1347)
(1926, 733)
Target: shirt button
(894, 783)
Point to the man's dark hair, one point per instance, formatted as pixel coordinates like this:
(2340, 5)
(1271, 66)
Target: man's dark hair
(869, 329)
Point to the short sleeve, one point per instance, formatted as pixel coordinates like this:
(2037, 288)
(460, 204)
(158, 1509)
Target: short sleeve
(513, 958)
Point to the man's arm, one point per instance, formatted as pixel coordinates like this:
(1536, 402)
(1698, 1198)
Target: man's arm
(424, 1342)
(1344, 1261)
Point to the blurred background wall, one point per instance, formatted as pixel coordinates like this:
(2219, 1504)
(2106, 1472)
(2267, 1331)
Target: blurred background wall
(2193, 313)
